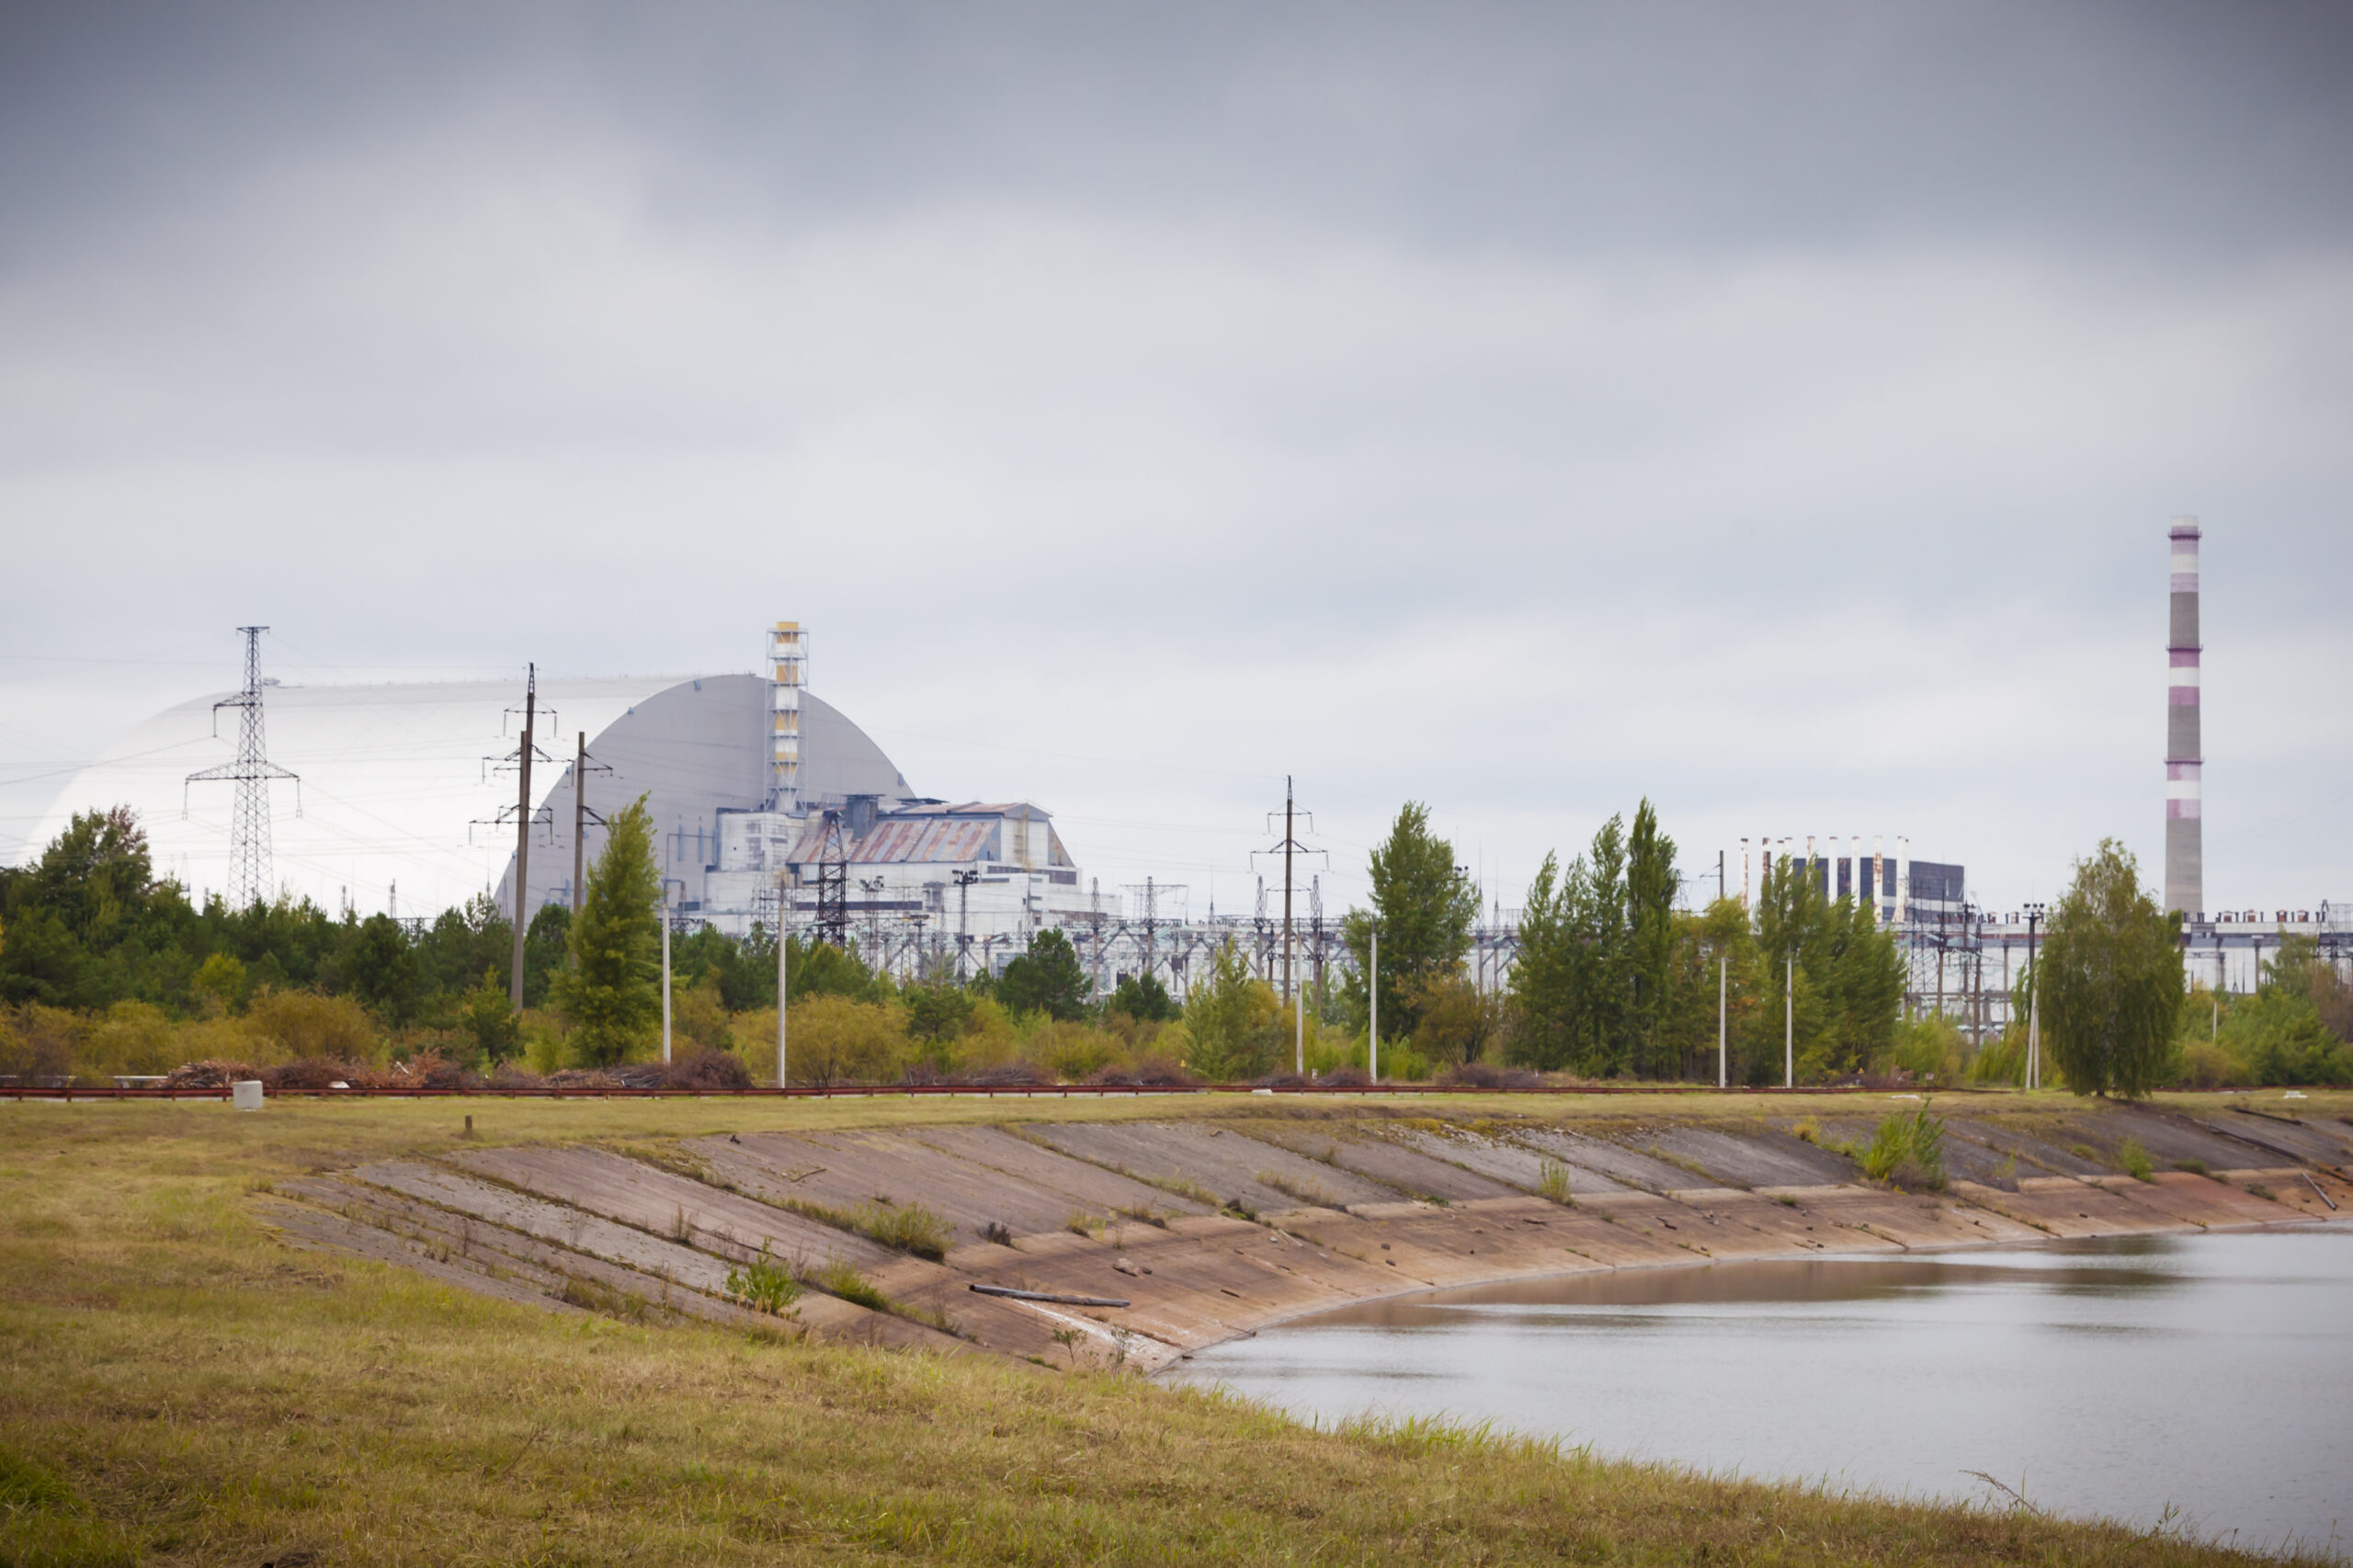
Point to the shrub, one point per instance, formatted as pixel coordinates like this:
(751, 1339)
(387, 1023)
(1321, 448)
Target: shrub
(1553, 1182)
(1149, 1067)
(837, 1038)
(2205, 1065)
(287, 1025)
(2134, 1160)
(1071, 1051)
(764, 1284)
(1487, 1075)
(2195, 1167)
(1927, 1048)
(1908, 1150)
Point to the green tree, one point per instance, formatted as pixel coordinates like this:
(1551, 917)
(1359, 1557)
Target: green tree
(1233, 1019)
(1650, 1046)
(1423, 906)
(1047, 979)
(1143, 998)
(1547, 977)
(2112, 979)
(613, 990)
(491, 1018)
(380, 969)
(937, 1012)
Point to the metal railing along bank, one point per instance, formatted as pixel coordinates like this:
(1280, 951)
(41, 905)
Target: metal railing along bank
(969, 1091)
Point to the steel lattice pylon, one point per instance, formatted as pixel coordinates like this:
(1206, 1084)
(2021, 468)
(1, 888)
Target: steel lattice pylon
(253, 770)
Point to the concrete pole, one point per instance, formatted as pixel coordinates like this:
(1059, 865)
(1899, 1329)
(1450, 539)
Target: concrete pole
(1721, 1059)
(780, 954)
(1790, 1024)
(579, 822)
(1372, 996)
(782, 949)
(665, 973)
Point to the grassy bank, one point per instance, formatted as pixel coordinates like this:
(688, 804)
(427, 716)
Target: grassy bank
(180, 1387)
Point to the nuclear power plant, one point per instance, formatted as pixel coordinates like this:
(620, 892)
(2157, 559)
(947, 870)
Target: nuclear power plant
(770, 806)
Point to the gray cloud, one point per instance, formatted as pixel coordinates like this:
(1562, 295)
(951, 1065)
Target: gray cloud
(1774, 412)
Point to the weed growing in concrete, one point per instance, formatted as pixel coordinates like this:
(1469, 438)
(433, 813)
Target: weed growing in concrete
(909, 1227)
(1307, 1192)
(838, 1279)
(2260, 1190)
(998, 1231)
(2134, 1158)
(2195, 1167)
(1553, 1182)
(1908, 1150)
(763, 1285)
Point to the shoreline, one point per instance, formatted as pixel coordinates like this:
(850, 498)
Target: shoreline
(1215, 1228)
(2303, 1222)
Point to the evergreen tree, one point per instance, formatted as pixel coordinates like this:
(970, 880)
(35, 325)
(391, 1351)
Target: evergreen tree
(1143, 998)
(613, 990)
(2112, 979)
(1424, 907)
(1047, 979)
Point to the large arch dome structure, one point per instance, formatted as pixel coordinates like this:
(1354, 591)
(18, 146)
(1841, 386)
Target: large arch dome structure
(401, 785)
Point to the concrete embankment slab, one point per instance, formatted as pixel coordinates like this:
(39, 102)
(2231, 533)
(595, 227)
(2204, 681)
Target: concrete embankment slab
(1604, 1157)
(1234, 1167)
(1080, 1185)
(844, 1171)
(1388, 1161)
(664, 1204)
(1750, 1157)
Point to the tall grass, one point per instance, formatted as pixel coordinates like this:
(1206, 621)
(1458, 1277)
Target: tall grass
(1553, 1182)
(1908, 1150)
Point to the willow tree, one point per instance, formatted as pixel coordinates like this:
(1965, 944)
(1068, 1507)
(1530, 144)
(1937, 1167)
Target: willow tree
(2112, 979)
(611, 990)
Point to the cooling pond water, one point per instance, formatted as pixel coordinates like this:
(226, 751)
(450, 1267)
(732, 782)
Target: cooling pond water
(2210, 1374)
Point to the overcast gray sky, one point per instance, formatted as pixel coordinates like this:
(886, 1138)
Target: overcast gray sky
(1773, 410)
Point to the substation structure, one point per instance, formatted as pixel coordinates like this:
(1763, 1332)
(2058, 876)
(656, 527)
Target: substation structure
(1963, 964)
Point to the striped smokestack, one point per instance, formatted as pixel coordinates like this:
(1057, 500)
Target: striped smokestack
(2184, 830)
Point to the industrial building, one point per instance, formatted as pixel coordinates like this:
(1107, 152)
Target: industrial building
(404, 799)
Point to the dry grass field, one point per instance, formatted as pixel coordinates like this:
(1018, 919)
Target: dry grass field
(182, 1387)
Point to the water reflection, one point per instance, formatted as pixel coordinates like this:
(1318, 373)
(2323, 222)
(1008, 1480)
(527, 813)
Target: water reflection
(2083, 1365)
(1812, 1279)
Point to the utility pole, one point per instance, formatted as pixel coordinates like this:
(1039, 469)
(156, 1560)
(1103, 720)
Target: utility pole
(665, 971)
(249, 867)
(964, 881)
(1789, 1022)
(2033, 998)
(1290, 848)
(523, 832)
(782, 947)
(581, 817)
(1372, 997)
(1722, 1058)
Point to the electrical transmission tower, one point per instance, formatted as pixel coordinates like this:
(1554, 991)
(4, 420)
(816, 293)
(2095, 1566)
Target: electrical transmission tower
(253, 770)
(833, 884)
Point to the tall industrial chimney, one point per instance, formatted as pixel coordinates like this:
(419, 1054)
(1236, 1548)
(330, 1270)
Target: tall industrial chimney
(2184, 830)
(787, 672)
